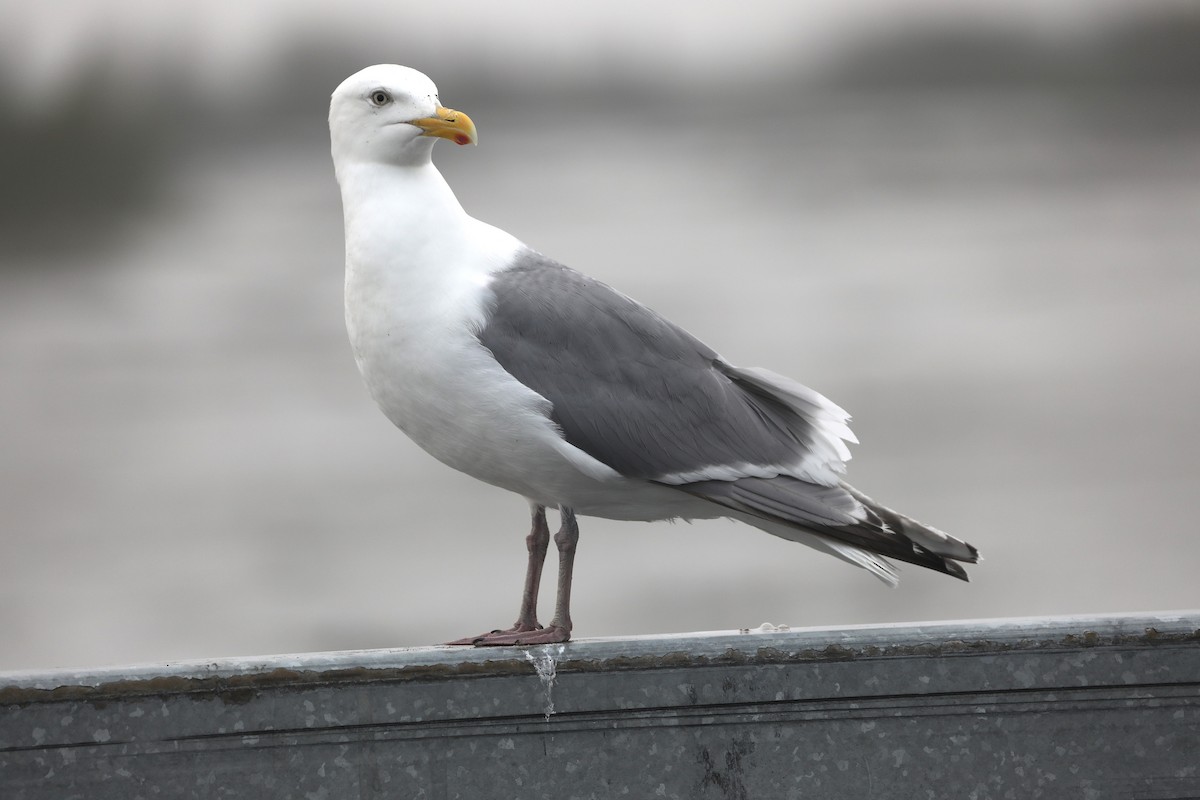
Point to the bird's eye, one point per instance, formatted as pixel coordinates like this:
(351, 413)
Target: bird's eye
(380, 98)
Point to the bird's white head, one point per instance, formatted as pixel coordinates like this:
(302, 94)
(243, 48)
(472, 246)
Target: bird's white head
(390, 114)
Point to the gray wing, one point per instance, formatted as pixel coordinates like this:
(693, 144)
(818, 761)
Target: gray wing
(650, 400)
(642, 395)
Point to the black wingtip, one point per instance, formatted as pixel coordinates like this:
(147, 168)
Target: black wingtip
(925, 557)
(955, 571)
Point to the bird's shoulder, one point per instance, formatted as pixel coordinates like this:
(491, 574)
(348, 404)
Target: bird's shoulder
(537, 302)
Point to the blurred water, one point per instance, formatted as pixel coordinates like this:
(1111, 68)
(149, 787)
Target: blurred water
(1000, 287)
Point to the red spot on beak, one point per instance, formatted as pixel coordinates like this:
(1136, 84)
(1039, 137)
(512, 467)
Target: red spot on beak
(461, 138)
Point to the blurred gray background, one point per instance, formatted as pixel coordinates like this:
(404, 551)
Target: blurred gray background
(975, 226)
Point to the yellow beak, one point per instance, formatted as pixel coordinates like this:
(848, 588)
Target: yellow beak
(448, 124)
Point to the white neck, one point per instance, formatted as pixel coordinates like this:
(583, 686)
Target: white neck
(412, 253)
(398, 212)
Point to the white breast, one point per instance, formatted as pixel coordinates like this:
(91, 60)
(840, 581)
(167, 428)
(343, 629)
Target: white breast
(417, 271)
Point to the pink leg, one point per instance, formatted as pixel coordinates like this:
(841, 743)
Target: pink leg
(565, 540)
(527, 630)
(537, 542)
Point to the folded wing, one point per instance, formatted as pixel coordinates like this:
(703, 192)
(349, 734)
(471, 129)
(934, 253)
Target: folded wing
(651, 401)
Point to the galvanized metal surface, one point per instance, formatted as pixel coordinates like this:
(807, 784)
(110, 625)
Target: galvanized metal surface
(1082, 707)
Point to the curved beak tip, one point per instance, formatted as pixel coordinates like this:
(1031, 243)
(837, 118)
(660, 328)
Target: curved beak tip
(449, 124)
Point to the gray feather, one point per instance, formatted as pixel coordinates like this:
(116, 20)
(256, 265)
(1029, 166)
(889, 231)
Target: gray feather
(650, 400)
(628, 387)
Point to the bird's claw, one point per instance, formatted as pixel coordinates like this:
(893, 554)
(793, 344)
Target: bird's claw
(517, 635)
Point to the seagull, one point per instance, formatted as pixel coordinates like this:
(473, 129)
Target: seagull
(535, 378)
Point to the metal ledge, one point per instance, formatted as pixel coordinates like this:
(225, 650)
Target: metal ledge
(1075, 706)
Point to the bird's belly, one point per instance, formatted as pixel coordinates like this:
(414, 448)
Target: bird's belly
(444, 390)
(449, 395)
